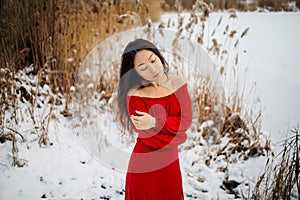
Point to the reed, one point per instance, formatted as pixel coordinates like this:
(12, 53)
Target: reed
(281, 179)
(57, 34)
(47, 40)
(243, 5)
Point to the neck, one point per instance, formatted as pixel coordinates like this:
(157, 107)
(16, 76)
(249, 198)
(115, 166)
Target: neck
(155, 84)
(163, 80)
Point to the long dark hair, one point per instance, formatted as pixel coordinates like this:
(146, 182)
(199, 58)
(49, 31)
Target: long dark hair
(130, 79)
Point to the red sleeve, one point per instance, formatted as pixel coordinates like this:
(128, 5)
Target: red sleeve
(169, 131)
(177, 124)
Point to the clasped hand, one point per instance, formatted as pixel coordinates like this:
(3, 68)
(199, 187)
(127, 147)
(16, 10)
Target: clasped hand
(144, 121)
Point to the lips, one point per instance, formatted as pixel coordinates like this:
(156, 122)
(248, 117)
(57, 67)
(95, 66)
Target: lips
(155, 76)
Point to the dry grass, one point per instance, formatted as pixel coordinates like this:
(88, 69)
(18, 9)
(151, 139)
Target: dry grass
(12, 136)
(273, 5)
(58, 34)
(221, 118)
(282, 179)
(53, 37)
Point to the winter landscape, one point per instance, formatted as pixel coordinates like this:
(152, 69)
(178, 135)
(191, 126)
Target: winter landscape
(81, 153)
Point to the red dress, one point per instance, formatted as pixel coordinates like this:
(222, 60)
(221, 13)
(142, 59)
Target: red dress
(154, 171)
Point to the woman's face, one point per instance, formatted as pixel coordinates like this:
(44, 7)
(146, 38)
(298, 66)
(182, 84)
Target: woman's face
(148, 65)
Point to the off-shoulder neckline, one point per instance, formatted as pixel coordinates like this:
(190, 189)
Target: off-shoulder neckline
(161, 97)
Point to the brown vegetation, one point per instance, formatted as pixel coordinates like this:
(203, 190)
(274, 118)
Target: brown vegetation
(56, 35)
(281, 179)
(46, 41)
(273, 5)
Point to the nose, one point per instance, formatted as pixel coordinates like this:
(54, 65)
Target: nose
(152, 68)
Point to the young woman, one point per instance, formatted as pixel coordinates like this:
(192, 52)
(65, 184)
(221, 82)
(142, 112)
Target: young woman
(157, 106)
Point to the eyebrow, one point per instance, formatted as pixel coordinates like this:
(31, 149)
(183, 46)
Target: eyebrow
(148, 59)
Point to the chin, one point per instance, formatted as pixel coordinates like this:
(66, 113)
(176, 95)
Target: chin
(161, 74)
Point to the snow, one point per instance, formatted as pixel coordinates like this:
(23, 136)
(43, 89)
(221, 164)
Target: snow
(275, 68)
(62, 171)
(74, 167)
(72, 88)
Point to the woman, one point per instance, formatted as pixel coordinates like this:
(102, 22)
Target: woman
(157, 106)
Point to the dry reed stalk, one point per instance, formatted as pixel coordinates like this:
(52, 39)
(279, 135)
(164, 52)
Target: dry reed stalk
(54, 37)
(281, 180)
(11, 136)
(68, 30)
(242, 5)
(60, 33)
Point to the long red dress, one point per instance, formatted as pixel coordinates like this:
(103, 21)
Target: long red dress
(154, 171)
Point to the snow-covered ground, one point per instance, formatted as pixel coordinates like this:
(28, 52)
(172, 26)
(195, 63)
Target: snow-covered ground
(69, 169)
(272, 46)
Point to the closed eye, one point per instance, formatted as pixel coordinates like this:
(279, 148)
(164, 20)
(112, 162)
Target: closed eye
(143, 69)
(153, 61)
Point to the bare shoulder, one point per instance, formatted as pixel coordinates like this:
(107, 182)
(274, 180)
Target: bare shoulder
(134, 92)
(177, 81)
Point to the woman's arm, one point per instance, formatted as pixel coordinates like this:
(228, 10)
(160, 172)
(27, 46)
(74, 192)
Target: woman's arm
(168, 130)
(176, 124)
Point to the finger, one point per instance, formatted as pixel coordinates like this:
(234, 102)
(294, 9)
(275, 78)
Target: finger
(139, 127)
(136, 118)
(141, 113)
(134, 121)
(136, 125)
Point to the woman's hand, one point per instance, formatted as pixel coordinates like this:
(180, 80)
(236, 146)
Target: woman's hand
(144, 121)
